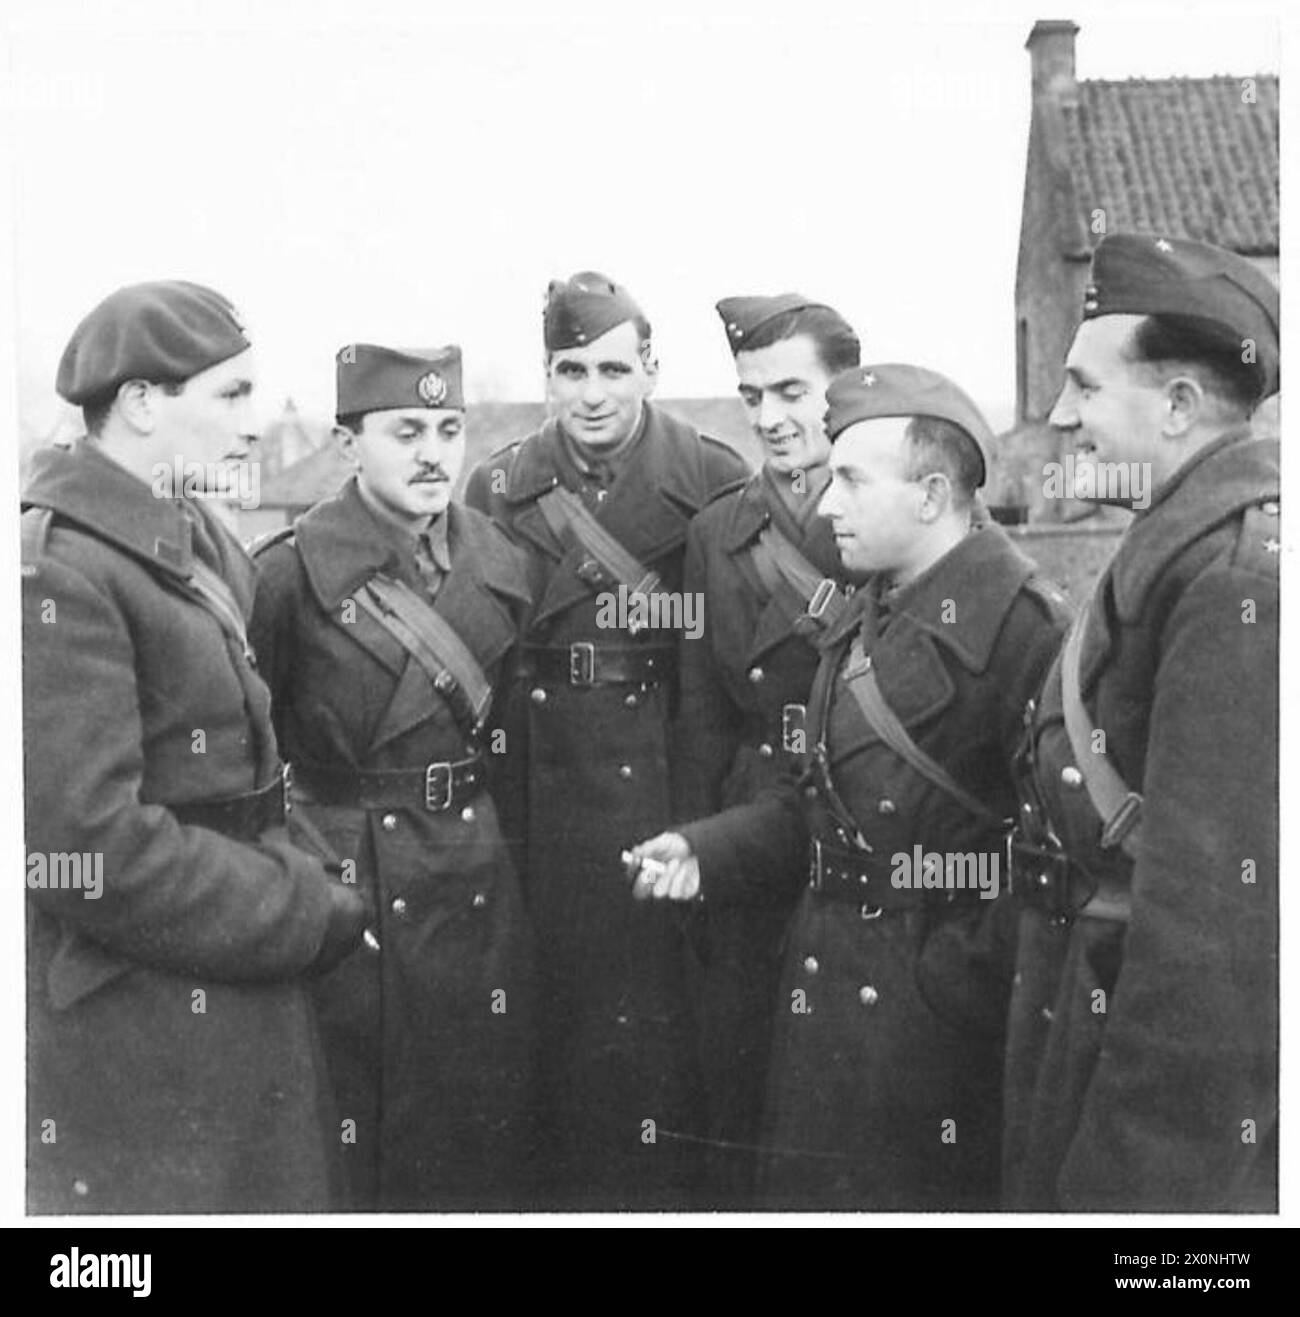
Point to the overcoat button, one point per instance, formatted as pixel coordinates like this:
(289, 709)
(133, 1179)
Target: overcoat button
(810, 965)
(1071, 777)
(388, 822)
(399, 906)
(468, 813)
(537, 695)
(755, 675)
(765, 751)
(632, 700)
(1270, 509)
(867, 995)
(1046, 1013)
(80, 1188)
(479, 901)
(886, 807)
(625, 770)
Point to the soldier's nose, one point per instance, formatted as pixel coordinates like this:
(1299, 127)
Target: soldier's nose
(1063, 415)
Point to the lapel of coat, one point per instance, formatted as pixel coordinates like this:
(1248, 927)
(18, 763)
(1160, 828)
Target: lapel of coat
(650, 503)
(486, 580)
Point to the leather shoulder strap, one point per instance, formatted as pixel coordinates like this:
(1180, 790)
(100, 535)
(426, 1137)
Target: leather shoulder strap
(567, 516)
(860, 677)
(1119, 808)
(432, 642)
(210, 590)
(792, 579)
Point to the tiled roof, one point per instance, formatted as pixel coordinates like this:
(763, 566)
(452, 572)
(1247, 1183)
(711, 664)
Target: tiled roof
(1189, 157)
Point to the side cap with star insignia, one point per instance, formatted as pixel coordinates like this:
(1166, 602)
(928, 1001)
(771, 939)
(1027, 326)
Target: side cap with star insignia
(164, 332)
(742, 316)
(893, 389)
(583, 308)
(368, 378)
(1145, 274)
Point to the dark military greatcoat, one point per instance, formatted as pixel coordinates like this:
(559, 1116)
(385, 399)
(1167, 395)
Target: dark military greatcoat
(744, 688)
(884, 1088)
(1142, 1052)
(171, 1052)
(428, 1026)
(617, 1032)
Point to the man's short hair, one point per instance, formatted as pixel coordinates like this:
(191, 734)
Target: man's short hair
(934, 444)
(354, 421)
(837, 345)
(642, 338)
(1212, 352)
(94, 411)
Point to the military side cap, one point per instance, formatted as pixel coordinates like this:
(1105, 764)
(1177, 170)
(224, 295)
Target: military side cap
(374, 379)
(163, 332)
(741, 316)
(583, 308)
(1137, 274)
(866, 392)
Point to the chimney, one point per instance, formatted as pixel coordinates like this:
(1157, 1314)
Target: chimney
(1051, 52)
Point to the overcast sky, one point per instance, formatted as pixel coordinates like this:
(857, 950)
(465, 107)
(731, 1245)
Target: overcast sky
(416, 174)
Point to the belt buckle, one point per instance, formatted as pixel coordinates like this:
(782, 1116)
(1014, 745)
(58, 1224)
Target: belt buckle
(438, 786)
(582, 663)
(286, 787)
(821, 598)
(793, 721)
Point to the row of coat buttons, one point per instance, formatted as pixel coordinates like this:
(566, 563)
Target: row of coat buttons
(867, 995)
(399, 907)
(538, 695)
(389, 821)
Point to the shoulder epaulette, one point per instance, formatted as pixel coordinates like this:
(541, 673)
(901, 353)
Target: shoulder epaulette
(1055, 602)
(268, 539)
(1259, 542)
(36, 523)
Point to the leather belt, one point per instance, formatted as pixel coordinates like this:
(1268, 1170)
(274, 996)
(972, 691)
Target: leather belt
(844, 873)
(243, 818)
(1045, 877)
(435, 787)
(585, 663)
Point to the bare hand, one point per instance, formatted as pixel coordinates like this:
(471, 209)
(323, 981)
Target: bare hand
(665, 867)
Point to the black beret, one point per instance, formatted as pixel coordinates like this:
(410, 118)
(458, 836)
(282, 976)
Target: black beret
(1138, 274)
(163, 332)
(741, 316)
(583, 308)
(374, 379)
(866, 392)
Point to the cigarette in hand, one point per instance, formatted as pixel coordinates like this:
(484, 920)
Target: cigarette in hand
(651, 868)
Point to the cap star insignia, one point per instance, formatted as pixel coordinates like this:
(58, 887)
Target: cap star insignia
(1272, 546)
(868, 379)
(1162, 245)
(432, 388)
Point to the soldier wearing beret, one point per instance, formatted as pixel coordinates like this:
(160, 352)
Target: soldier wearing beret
(758, 556)
(885, 1082)
(172, 1058)
(1142, 1062)
(600, 499)
(384, 620)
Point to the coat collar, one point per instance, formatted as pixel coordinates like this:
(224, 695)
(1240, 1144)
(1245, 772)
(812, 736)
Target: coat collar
(973, 586)
(1234, 472)
(89, 488)
(661, 459)
(343, 544)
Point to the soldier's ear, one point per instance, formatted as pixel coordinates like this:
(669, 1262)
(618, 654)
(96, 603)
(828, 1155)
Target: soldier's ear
(1185, 401)
(936, 497)
(135, 405)
(347, 442)
(651, 364)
